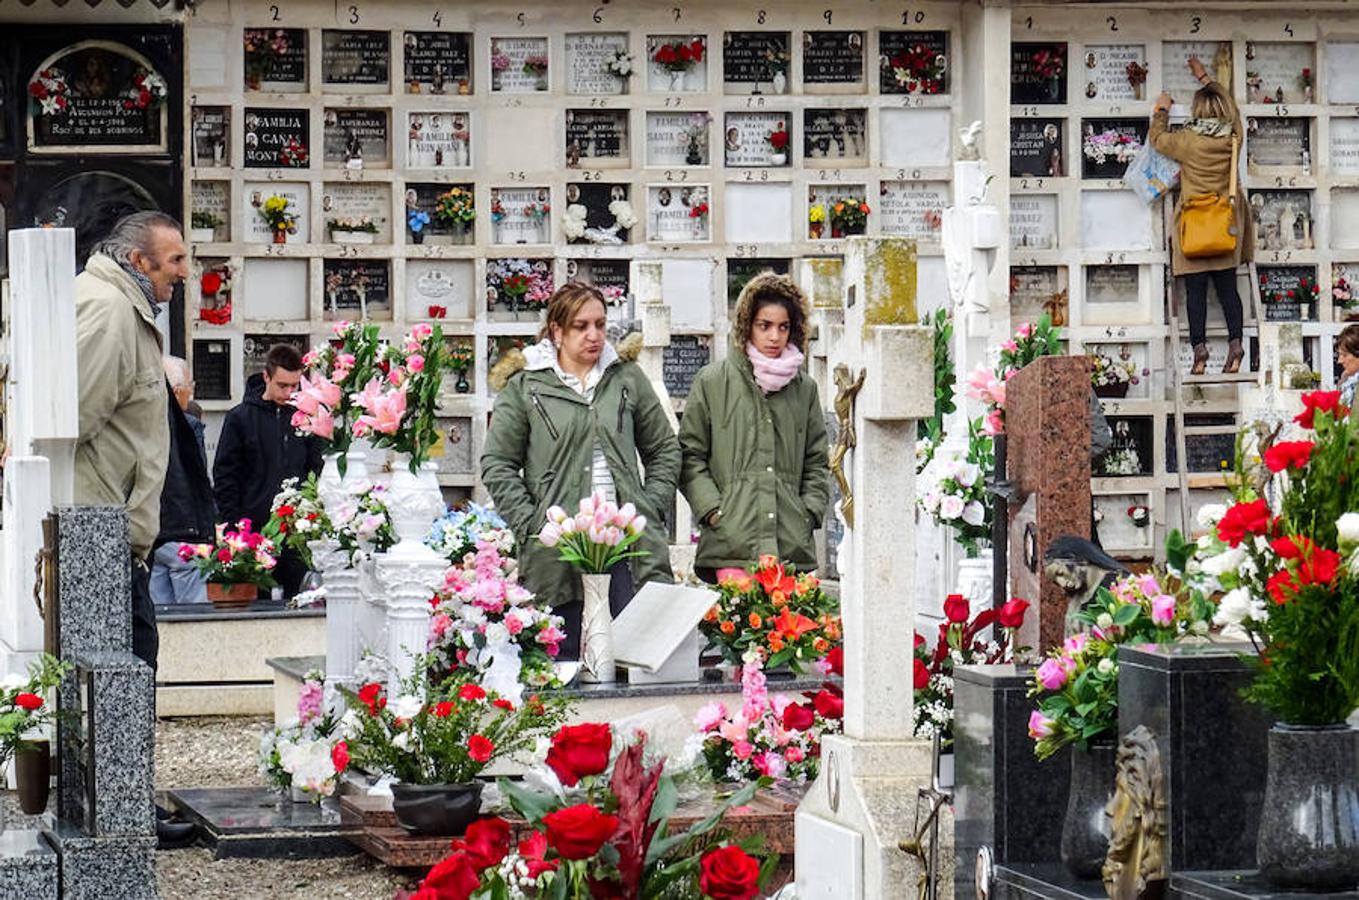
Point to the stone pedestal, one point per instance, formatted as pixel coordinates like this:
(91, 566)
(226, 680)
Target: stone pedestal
(100, 868)
(409, 578)
(1047, 422)
(28, 866)
(344, 603)
(1212, 745)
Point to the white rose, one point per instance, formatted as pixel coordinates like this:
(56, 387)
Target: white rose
(967, 474)
(1348, 527)
(951, 507)
(974, 513)
(1227, 561)
(1210, 514)
(406, 706)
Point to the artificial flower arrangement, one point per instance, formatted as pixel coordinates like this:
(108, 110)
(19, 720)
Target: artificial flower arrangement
(239, 556)
(293, 154)
(536, 65)
(959, 643)
(445, 732)
(261, 47)
(525, 283)
(362, 524)
(147, 92)
(1077, 685)
(1137, 77)
(1049, 63)
(325, 407)
(485, 622)
(1118, 462)
(49, 92)
(460, 356)
(1110, 143)
(598, 537)
(1140, 514)
(816, 219)
(1341, 293)
(359, 224)
(698, 204)
(455, 206)
(416, 220)
(599, 827)
(500, 61)
(1031, 341)
(214, 286)
(679, 56)
(623, 214)
(23, 704)
(953, 490)
(1106, 371)
(203, 219)
(1286, 553)
(771, 737)
(849, 215)
(622, 63)
(917, 69)
(784, 616)
(776, 60)
(310, 753)
(297, 517)
(401, 396)
(574, 221)
(279, 214)
(458, 532)
(777, 139)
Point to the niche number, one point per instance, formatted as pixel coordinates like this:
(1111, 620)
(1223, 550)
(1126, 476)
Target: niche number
(1113, 23)
(1195, 24)
(909, 18)
(273, 13)
(353, 15)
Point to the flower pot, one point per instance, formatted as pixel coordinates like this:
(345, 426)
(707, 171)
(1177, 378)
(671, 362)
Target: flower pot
(417, 237)
(780, 81)
(280, 236)
(33, 776)
(1118, 389)
(815, 229)
(413, 506)
(1085, 833)
(1309, 825)
(778, 159)
(231, 596)
(351, 237)
(202, 235)
(436, 809)
(462, 386)
(596, 632)
(974, 579)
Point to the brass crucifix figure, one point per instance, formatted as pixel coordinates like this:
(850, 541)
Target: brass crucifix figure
(844, 414)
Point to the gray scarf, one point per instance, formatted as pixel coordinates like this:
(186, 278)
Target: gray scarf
(143, 282)
(1210, 127)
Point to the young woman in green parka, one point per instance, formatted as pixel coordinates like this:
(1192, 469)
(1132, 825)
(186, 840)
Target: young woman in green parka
(574, 417)
(754, 440)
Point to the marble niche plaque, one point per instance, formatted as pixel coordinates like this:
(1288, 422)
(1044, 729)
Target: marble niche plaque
(425, 198)
(1107, 78)
(1130, 452)
(345, 200)
(836, 135)
(210, 136)
(275, 59)
(601, 224)
(913, 209)
(1273, 142)
(253, 195)
(255, 347)
(1127, 355)
(755, 62)
(678, 213)
(1115, 220)
(440, 289)
(1176, 78)
(611, 277)
(356, 138)
(277, 138)
(212, 369)
(597, 138)
(1032, 289)
(504, 304)
(1342, 72)
(677, 139)
(213, 198)
(521, 215)
(452, 452)
(593, 62)
(1203, 452)
(273, 290)
(438, 62)
(826, 196)
(1111, 284)
(439, 140)
(1345, 145)
(833, 58)
(1116, 528)
(750, 139)
(681, 360)
(1036, 148)
(1280, 72)
(1109, 145)
(1283, 295)
(357, 289)
(87, 103)
(913, 62)
(1038, 73)
(355, 59)
(676, 63)
(1283, 220)
(519, 65)
(1033, 221)
(741, 270)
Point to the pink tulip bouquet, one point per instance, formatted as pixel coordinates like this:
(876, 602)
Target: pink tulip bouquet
(400, 398)
(239, 556)
(324, 406)
(596, 538)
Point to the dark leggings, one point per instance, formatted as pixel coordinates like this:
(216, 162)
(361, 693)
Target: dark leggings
(1196, 297)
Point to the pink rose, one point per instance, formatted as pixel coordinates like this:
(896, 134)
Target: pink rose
(742, 749)
(1040, 726)
(1053, 673)
(1163, 609)
(794, 754)
(416, 363)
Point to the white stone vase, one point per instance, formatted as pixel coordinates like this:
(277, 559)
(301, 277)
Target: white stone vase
(329, 485)
(596, 631)
(677, 80)
(413, 500)
(780, 81)
(410, 572)
(974, 580)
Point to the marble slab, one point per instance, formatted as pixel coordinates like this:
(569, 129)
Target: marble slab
(259, 823)
(1230, 885)
(28, 866)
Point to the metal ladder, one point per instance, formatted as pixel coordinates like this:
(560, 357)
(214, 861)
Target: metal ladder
(1181, 382)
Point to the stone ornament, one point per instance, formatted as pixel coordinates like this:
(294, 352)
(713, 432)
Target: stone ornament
(1137, 846)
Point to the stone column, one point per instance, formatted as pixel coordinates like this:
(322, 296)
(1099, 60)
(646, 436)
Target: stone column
(343, 601)
(408, 578)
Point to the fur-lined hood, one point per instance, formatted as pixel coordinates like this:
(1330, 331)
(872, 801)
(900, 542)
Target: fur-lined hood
(743, 317)
(542, 354)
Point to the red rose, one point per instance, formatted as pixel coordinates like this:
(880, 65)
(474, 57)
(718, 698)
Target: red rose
(798, 717)
(443, 709)
(836, 660)
(486, 842)
(471, 692)
(370, 695)
(1318, 401)
(665, 54)
(729, 873)
(1012, 613)
(1287, 454)
(1242, 519)
(578, 832)
(696, 50)
(922, 675)
(956, 608)
(579, 750)
(480, 748)
(453, 878)
(831, 704)
(339, 756)
(27, 701)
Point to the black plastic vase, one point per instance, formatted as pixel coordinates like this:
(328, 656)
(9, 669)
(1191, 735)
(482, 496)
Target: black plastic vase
(1085, 833)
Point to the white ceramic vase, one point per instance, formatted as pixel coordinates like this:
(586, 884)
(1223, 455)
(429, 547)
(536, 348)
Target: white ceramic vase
(596, 631)
(974, 580)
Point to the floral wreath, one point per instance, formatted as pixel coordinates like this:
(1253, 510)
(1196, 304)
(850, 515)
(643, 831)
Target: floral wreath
(148, 91)
(48, 89)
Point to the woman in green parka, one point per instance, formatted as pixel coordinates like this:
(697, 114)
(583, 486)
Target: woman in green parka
(572, 418)
(754, 440)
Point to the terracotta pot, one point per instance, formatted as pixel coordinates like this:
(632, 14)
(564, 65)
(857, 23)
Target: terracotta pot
(230, 595)
(436, 809)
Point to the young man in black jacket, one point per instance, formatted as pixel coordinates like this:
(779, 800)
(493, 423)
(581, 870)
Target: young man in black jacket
(259, 449)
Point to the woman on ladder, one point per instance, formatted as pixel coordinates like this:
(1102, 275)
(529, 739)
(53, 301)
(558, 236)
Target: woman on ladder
(1206, 149)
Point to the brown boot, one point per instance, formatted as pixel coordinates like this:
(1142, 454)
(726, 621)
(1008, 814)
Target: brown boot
(1234, 356)
(1200, 359)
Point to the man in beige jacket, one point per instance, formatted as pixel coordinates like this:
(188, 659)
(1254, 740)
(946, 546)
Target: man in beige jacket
(124, 439)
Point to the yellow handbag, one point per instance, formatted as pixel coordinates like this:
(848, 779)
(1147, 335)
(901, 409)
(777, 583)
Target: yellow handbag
(1208, 221)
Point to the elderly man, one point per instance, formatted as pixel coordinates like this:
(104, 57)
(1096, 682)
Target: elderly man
(187, 511)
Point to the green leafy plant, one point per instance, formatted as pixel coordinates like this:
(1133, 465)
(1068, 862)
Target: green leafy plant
(941, 323)
(23, 704)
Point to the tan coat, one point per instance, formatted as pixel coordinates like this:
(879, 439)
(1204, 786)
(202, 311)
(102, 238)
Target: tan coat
(124, 441)
(1205, 168)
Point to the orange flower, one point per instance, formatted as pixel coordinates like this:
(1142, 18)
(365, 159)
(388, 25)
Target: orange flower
(839, 208)
(755, 620)
(711, 614)
(791, 625)
(778, 598)
(728, 627)
(833, 631)
(775, 642)
(768, 561)
(821, 645)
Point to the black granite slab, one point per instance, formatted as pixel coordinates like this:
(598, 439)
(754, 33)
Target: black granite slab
(1023, 881)
(1004, 797)
(1232, 885)
(258, 823)
(258, 609)
(1213, 747)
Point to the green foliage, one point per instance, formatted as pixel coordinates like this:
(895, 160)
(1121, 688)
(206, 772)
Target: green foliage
(44, 674)
(941, 321)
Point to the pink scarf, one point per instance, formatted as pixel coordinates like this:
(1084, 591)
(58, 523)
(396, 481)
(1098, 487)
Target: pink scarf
(773, 374)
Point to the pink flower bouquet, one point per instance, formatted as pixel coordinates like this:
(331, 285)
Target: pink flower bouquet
(241, 556)
(596, 538)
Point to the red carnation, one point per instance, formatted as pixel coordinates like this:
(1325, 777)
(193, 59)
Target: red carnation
(286, 510)
(829, 703)
(1318, 401)
(443, 710)
(956, 608)
(1319, 567)
(836, 660)
(922, 675)
(502, 703)
(1286, 454)
(729, 873)
(224, 555)
(28, 701)
(1281, 586)
(339, 756)
(1243, 519)
(471, 692)
(798, 717)
(578, 832)
(370, 695)
(579, 750)
(480, 748)
(1012, 613)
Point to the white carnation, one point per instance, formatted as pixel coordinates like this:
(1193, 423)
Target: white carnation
(1225, 562)
(1210, 514)
(407, 706)
(1348, 527)
(1234, 608)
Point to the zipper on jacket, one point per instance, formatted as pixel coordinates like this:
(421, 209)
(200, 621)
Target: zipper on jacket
(622, 404)
(547, 420)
